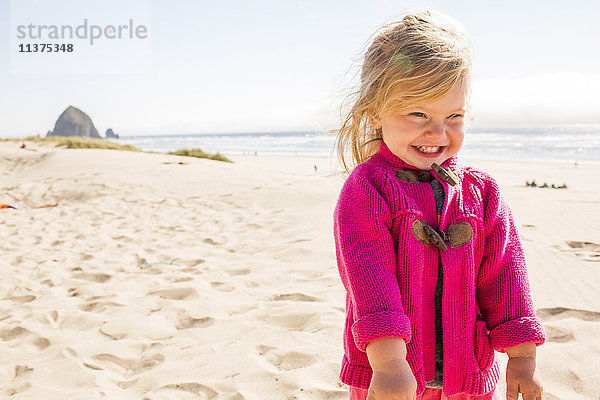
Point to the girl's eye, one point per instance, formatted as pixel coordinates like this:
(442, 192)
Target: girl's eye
(418, 114)
(456, 116)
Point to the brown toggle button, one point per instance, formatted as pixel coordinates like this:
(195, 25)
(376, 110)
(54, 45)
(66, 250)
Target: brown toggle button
(412, 176)
(427, 234)
(435, 237)
(418, 231)
(406, 176)
(457, 234)
(447, 175)
(424, 176)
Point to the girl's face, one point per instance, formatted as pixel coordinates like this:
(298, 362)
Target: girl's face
(422, 134)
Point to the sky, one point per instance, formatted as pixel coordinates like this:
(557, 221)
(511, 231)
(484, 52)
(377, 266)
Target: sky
(271, 66)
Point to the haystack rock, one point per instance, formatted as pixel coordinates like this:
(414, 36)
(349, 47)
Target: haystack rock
(74, 122)
(111, 135)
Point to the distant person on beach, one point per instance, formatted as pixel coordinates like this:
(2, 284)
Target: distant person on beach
(427, 248)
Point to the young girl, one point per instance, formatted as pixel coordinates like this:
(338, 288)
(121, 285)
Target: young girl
(427, 248)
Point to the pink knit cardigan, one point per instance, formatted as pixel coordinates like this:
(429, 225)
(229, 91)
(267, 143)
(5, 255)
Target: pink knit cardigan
(390, 276)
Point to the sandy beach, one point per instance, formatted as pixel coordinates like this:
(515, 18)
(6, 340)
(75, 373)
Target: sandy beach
(165, 277)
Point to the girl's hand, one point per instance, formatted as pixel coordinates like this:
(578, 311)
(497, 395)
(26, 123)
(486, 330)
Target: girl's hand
(394, 381)
(521, 373)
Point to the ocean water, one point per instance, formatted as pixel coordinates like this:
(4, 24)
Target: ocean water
(567, 143)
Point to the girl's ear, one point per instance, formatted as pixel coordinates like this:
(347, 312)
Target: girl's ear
(375, 121)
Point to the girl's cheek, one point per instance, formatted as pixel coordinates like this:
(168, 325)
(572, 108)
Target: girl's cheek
(457, 126)
(420, 123)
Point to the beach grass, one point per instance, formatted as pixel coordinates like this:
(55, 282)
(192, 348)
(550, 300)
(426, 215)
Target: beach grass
(198, 153)
(82, 142)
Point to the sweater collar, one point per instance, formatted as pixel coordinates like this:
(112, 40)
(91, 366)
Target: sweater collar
(397, 163)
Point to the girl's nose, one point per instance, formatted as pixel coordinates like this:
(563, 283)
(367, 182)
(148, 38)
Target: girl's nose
(436, 129)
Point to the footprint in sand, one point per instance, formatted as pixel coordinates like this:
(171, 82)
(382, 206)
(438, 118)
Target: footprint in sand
(222, 286)
(17, 385)
(100, 278)
(558, 334)
(13, 333)
(237, 272)
(176, 293)
(41, 343)
(153, 327)
(298, 241)
(189, 262)
(211, 241)
(48, 282)
(22, 299)
(22, 370)
(51, 318)
(286, 360)
(98, 306)
(77, 321)
(180, 280)
(587, 251)
(124, 367)
(198, 390)
(186, 321)
(17, 388)
(558, 313)
(127, 384)
(192, 270)
(305, 322)
(294, 297)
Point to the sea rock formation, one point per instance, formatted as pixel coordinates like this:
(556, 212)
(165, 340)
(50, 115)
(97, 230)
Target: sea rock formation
(111, 135)
(74, 122)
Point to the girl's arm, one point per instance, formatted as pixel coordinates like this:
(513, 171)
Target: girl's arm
(367, 262)
(503, 292)
(521, 373)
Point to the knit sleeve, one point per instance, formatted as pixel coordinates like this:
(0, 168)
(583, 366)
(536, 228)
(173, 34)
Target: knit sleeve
(367, 263)
(503, 292)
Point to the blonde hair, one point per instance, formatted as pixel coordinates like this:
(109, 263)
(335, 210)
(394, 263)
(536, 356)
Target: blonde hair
(416, 60)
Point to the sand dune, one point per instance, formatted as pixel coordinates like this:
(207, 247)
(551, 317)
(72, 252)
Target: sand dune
(153, 279)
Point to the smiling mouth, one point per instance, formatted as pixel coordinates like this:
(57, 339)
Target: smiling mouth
(429, 149)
